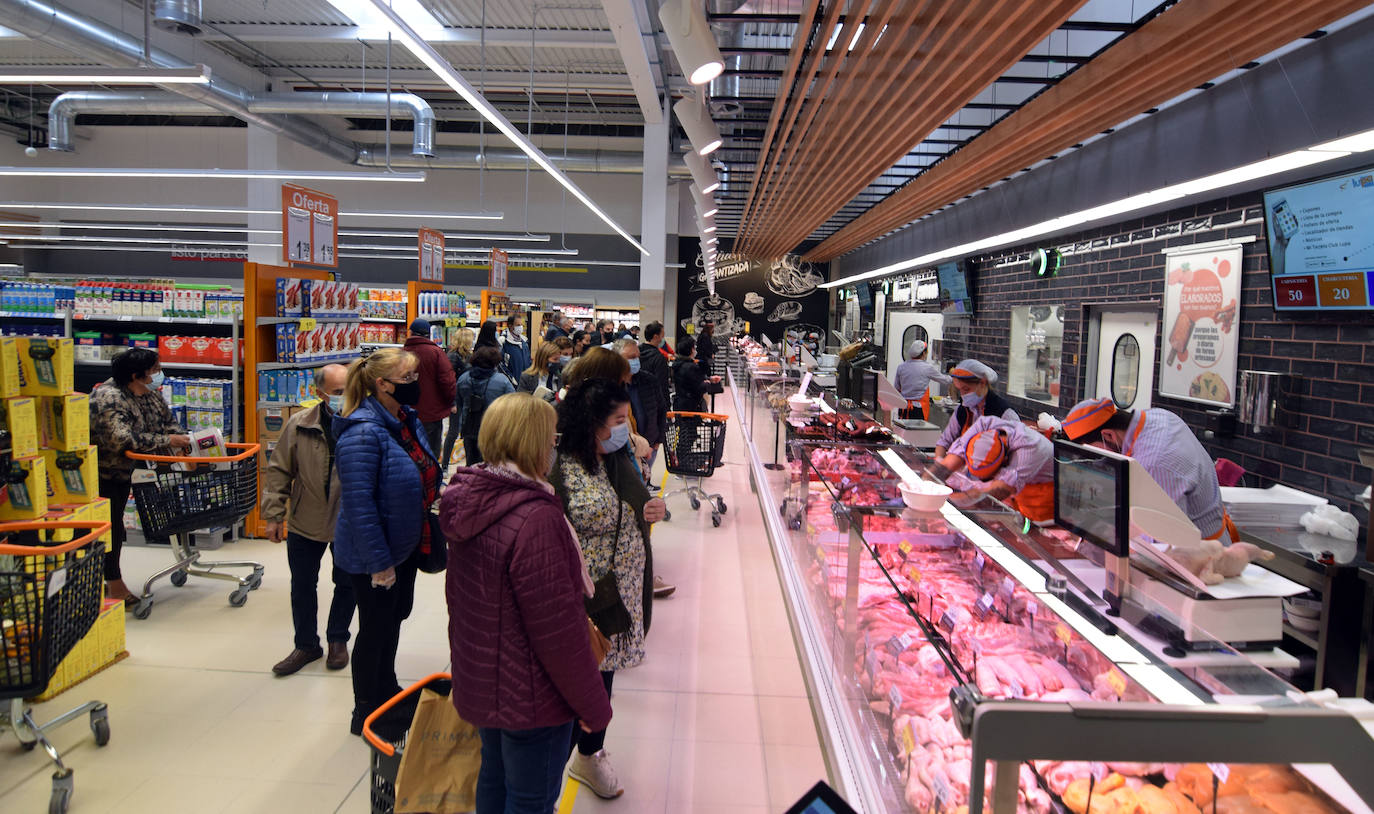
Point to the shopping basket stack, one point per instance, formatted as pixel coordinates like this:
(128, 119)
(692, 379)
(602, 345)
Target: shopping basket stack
(693, 446)
(179, 494)
(50, 594)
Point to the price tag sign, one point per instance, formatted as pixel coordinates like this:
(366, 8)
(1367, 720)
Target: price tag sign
(1032, 608)
(908, 740)
(309, 227)
(431, 245)
(323, 234)
(984, 605)
(894, 695)
(913, 575)
(1063, 634)
(499, 262)
(1221, 770)
(947, 621)
(1099, 771)
(1007, 589)
(897, 645)
(1117, 681)
(297, 235)
(942, 790)
(1342, 290)
(905, 548)
(979, 562)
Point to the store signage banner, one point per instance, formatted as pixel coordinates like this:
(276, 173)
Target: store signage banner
(309, 227)
(1201, 338)
(431, 255)
(500, 261)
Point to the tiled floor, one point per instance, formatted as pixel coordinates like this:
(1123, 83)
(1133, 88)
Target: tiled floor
(716, 719)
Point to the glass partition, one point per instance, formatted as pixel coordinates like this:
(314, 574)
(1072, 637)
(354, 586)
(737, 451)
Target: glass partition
(1037, 339)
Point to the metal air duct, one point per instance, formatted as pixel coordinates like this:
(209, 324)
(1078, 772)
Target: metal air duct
(177, 16)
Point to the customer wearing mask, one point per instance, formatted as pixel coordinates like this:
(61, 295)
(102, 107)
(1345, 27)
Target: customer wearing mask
(611, 511)
(459, 351)
(653, 363)
(389, 480)
(647, 404)
(515, 348)
(523, 669)
(129, 415)
(301, 486)
(691, 385)
(478, 388)
(581, 341)
(561, 327)
(913, 381)
(973, 382)
(1006, 460)
(1166, 448)
(546, 369)
(437, 382)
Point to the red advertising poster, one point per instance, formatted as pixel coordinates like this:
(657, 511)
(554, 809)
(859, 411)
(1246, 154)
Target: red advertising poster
(309, 227)
(499, 262)
(431, 243)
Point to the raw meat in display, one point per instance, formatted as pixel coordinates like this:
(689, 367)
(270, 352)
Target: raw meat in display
(1212, 562)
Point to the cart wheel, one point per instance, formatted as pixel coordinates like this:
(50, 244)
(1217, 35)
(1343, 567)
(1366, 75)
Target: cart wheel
(715, 519)
(28, 745)
(254, 581)
(695, 501)
(238, 598)
(720, 505)
(177, 578)
(143, 607)
(62, 785)
(667, 515)
(100, 725)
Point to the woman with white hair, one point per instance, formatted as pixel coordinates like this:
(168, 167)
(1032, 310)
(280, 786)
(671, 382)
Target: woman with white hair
(913, 380)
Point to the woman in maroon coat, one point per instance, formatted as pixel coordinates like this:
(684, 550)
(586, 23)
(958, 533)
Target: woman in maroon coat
(523, 669)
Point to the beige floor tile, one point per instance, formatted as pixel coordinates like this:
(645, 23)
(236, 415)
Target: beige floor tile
(643, 714)
(711, 673)
(717, 718)
(791, 771)
(779, 676)
(643, 766)
(787, 721)
(718, 774)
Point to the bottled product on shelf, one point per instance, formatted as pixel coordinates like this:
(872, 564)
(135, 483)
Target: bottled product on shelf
(38, 299)
(160, 299)
(284, 388)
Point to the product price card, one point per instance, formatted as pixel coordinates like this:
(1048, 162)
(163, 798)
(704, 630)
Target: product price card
(297, 235)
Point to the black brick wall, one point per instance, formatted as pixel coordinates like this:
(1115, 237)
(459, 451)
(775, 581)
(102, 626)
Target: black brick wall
(1333, 351)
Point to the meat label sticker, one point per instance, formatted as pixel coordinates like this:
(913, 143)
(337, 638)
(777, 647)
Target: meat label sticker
(1063, 634)
(984, 605)
(1221, 770)
(905, 548)
(894, 695)
(908, 739)
(897, 645)
(942, 789)
(1118, 683)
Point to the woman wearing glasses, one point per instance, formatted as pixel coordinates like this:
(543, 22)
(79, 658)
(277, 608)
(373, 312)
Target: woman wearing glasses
(389, 479)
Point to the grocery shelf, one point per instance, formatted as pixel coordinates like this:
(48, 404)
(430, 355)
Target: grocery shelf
(286, 320)
(155, 320)
(29, 315)
(166, 363)
(304, 365)
(392, 320)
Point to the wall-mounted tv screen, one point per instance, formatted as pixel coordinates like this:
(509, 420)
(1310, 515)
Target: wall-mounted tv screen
(865, 296)
(1321, 256)
(954, 294)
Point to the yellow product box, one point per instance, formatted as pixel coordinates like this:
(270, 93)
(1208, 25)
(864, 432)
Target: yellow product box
(102, 646)
(26, 493)
(98, 511)
(45, 366)
(66, 421)
(72, 475)
(9, 367)
(20, 417)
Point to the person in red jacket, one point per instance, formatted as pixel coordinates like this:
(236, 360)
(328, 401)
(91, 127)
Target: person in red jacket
(523, 669)
(438, 385)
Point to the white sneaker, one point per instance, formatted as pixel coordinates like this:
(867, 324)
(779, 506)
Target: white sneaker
(595, 772)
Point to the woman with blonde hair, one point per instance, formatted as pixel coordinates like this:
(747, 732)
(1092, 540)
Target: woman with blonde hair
(459, 352)
(389, 480)
(523, 669)
(546, 369)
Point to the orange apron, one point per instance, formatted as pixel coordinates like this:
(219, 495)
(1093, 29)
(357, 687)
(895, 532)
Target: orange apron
(924, 403)
(1035, 501)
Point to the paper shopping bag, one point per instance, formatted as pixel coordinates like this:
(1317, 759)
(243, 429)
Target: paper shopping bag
(443, 754)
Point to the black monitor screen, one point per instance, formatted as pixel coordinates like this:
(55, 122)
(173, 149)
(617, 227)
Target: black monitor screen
(1090, 496)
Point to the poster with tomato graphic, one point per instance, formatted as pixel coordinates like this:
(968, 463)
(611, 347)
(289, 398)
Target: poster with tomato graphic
(1201, 311)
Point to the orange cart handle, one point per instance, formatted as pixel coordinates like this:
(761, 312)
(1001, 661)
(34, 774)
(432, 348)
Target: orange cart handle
(372, 738)
(97, 529)
(712, 416)
(249, 450)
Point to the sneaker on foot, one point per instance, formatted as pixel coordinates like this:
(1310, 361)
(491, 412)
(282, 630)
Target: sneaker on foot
(663, 589)
(596, 773)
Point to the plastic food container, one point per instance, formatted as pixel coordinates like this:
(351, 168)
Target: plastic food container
(924, 496)
(801, 404)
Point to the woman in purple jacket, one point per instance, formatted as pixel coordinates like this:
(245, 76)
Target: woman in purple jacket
(523, 669)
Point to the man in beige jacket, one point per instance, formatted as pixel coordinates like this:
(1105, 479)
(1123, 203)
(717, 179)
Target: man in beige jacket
(301, 481)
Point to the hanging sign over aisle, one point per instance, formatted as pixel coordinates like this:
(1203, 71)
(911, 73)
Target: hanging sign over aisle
(1201, 312)
(309, 227)
(431, 255)
(499, 262)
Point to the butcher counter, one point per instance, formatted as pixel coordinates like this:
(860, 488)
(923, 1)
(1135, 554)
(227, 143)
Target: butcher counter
(918, 632)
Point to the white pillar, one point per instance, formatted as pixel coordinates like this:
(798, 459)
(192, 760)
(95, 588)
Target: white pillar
(264, 194)
(653, 220)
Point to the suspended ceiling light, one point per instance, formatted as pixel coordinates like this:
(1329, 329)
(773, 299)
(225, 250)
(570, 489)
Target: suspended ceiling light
(1339, 148)
(684, 21)
(42, 75)
(165, 173)
(399, 26)
(191, 208)
(706, 204)
(189, 227)
(54, 239)
(375, 26)
(703, 174)
(701, 130)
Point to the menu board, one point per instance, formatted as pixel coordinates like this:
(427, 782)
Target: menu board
(1321, 243)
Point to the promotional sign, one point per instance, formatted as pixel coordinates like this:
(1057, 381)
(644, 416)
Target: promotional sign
(1320, 255)
(431, 255)
(309, 227)
(1201, 309)
(499, 261)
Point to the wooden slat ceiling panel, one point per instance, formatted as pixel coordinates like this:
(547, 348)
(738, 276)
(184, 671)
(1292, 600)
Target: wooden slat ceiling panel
(853, 114)
(1164, 58)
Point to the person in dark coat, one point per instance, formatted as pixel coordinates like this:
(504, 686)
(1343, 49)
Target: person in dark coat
(706, 345)
(523, 669)
(563, 326)
(646, 397)
(459, 350)
(515, 348)
(655, 364)
(389, 480)
(477, 389)
(487, 336)
(691, 385)
(437, 381)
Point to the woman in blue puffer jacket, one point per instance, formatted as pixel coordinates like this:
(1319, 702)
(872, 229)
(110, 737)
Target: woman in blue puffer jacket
(390, 479)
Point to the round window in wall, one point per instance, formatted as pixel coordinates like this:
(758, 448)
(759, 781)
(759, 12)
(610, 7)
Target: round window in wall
(1125, 370)
(911, 334)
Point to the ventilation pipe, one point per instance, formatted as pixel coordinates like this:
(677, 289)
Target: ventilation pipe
(466, 158)
(177, 16)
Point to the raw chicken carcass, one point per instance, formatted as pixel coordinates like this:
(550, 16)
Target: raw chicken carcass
(1212, 562)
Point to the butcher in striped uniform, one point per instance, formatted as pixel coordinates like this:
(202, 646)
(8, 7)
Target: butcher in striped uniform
(1165, 447)
(973, 382)
(1014, 462)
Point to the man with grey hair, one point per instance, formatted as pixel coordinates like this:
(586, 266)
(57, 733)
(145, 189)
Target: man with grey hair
(302, 474)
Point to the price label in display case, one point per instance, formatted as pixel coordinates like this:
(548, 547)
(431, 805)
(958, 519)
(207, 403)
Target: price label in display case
(309, 226)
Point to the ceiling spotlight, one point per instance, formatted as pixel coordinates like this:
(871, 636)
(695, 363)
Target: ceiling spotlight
(684, 21)
(703, 174)
(701, 130)
(706, 205)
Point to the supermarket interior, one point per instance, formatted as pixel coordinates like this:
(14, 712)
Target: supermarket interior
(915, 398)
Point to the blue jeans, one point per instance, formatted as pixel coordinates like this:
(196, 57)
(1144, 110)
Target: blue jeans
(522, 769)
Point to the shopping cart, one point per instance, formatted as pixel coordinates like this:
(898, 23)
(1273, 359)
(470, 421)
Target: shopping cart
(693, 446)
(386, 752)
(178, 494)
(50, 594)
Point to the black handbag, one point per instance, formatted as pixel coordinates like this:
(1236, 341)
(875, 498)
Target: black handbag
(435, 560)
(605, 607)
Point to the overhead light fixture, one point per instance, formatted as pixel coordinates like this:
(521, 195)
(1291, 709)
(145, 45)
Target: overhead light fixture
(706, 205)
(211, 210)
(42, 75)
(1327, 151)
(412, 40)
(374, 26)
(251, 175)
(703, 174)
(701, 129)
(684, 21)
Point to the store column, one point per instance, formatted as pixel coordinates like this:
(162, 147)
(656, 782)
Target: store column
(653, 225)
(263, 196)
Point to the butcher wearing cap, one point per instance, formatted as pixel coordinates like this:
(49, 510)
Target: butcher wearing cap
(1014, 462)
(973, 382)
(913, 381)
(1166, 448)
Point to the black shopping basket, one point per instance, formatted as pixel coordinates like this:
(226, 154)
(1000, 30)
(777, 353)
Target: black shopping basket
(387, 751)
(693, 446)
(179, 494)
(52, 582)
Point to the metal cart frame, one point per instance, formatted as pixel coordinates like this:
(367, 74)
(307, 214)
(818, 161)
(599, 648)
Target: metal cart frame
(386, 754)
(692, 449)
(178, 494)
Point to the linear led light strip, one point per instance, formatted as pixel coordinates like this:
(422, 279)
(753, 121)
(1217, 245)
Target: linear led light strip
(426, 54)
(194, 75)
(162, 172)
(178, 227)
(1328, 151)
(242, 211)
(46, 239)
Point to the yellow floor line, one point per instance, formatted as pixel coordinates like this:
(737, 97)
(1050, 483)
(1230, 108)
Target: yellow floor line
(565, 803)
